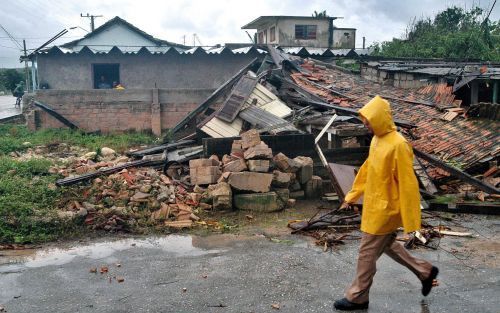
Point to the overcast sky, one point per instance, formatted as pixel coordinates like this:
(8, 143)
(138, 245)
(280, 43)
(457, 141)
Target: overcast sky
(214, 21)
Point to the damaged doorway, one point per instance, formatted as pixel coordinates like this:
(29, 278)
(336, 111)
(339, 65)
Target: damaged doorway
(110, 73)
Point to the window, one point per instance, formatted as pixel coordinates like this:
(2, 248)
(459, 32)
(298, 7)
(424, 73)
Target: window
(261, 37)
(272, 34)
(105, 75)
(305, 31)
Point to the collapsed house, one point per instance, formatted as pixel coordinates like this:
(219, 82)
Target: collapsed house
(299, 106)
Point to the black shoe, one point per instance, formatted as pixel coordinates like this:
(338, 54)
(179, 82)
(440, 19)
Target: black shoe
(427, 283)
(346, 305)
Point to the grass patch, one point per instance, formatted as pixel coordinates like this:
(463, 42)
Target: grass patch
(28, 197)
(27, 203)
(348, 64)
(446, 199)
(13, 136)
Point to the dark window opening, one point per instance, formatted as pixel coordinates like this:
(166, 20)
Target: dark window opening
(484, 93)
(272, 34)
(105, 75)
(305, 31)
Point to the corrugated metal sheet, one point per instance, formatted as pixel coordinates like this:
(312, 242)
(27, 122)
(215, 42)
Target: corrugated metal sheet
(148, 49)
(439, 71)
(260, 118)
(308, 51)
(363, 51)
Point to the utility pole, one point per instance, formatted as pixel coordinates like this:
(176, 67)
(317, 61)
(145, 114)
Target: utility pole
(26, 72)
(92, 17)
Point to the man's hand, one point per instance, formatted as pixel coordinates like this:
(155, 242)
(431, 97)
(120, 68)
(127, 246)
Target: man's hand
(345, 206)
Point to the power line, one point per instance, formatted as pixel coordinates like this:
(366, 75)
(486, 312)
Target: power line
(5, 37)
(10, 36)
(492, 6)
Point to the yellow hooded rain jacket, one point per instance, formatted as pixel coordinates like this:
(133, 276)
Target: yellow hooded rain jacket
(386, 179)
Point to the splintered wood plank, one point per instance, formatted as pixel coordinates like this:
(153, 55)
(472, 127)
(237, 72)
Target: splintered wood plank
(423, 177)
(240, 93)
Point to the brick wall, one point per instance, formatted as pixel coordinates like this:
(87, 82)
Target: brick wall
(117, 110)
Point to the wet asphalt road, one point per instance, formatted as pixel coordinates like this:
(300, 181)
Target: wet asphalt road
(7, 108)
(229, 273)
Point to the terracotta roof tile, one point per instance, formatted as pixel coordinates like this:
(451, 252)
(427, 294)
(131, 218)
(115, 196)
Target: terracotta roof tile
(463, 140)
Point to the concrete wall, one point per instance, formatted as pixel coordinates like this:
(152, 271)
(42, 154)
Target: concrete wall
(198, 71)
(117, 110)
(286, 33)
(344, 38)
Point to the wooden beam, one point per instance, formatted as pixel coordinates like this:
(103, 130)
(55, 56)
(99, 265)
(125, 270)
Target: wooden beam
(457, 173)
(429, 104)
(347, 111)
(55, 114)
(330, 122)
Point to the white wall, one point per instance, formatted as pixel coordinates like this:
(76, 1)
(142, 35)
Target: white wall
(343, 41)
(115, 35)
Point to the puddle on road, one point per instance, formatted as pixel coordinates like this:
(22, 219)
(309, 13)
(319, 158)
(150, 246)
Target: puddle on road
(15, 260)
(179, 245)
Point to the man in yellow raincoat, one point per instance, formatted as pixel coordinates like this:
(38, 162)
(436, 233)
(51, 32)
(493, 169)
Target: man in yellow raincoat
(391, 200)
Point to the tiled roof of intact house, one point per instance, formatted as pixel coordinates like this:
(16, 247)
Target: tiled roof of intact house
(461, 141)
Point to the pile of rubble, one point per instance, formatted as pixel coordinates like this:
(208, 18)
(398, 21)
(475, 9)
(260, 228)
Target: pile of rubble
(251, 178)
(136, 197)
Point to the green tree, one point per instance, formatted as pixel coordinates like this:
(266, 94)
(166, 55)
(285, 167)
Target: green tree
(453, 33)
(9, 78)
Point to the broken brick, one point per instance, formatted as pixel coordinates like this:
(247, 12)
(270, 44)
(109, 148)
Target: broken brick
(221, 195)
(314, 188)
(237, 165)
(258, 202)
(250, 138)
(204, 175)
(285, 164)
(260, 151)
(251, 181)
(305, 172)
(237, 147)
(202, 163)
(281, 179)
(261, 166)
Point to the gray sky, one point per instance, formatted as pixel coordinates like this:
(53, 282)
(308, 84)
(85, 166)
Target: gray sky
(214, 21)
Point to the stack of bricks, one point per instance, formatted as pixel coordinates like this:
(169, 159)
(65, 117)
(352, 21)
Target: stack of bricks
(258, 181)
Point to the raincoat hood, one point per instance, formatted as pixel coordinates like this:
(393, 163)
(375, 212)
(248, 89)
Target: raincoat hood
(378, 113)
